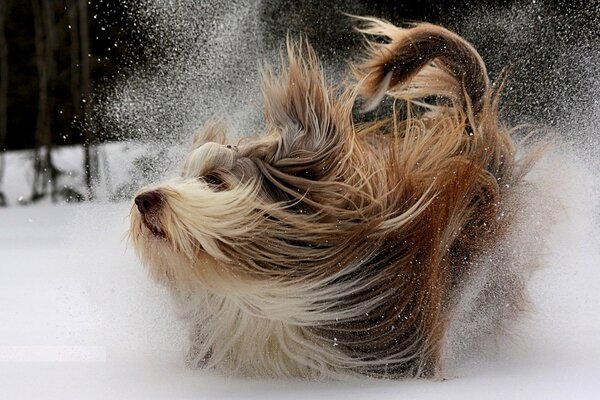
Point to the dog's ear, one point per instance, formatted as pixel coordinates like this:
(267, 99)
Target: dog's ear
(305, 119)
(214, 130)
(209, 150)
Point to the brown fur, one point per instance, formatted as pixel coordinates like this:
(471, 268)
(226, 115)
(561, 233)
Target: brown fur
(348, 242)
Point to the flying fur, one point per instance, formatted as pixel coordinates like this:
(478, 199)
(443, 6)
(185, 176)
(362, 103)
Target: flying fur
(327, 248)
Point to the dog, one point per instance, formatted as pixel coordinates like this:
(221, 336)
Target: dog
(328, 247)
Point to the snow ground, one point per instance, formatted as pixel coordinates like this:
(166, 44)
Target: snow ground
(79, 319)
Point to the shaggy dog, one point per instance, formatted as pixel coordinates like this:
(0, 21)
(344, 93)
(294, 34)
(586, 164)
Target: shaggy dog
(330, 248)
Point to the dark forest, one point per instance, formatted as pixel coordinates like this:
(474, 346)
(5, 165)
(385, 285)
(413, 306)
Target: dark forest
(58, 56)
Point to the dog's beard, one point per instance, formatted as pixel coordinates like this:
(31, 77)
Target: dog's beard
(183, 239)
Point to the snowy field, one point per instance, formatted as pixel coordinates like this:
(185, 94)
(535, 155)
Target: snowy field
(79, 318)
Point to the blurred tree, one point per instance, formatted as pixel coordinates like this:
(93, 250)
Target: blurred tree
(4, 4)
(81, 88)
(51, 20)
(45, 173)
(61, 51)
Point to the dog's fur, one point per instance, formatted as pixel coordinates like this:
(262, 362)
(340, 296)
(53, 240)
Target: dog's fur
(327, 248)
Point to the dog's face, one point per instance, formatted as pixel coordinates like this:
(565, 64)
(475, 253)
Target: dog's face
(187, 228)
(256, 209)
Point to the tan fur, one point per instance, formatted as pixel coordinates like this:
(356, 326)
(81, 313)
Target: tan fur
(329, 249)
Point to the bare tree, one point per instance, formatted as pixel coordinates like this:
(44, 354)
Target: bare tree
(3, 90)
(73, 17)
(45, 173)
(46, 25)
(90, 144)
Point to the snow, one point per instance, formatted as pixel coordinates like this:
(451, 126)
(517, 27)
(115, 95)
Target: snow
(79, 317)
(115, 165)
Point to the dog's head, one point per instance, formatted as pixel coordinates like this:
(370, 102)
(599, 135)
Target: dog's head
(245, 210)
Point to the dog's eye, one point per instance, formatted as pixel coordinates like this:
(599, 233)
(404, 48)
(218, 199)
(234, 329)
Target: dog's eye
(214, 180)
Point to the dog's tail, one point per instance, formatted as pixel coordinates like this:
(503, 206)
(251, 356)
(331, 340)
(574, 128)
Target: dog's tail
(420, 61)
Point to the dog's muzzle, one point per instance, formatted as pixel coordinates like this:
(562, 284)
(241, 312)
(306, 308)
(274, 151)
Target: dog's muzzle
(148, 202)
(149, 205)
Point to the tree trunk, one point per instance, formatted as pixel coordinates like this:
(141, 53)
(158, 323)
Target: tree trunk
(41, 125)
(75, 60)
(44, 26)
(90, 150)
(3, 91)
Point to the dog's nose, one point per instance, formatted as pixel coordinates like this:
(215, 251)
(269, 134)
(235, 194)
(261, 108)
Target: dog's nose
(148, 201)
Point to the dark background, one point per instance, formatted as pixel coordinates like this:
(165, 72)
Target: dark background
(110, 23)
(45, 54)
